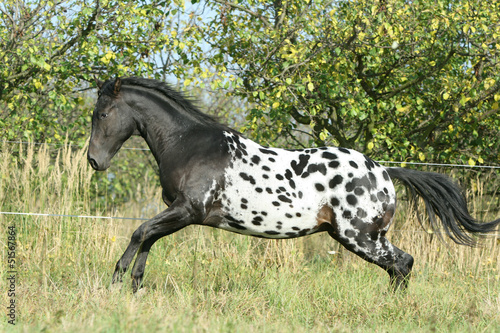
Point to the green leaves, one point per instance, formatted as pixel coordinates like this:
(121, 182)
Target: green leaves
(52, 54)
(385, 78)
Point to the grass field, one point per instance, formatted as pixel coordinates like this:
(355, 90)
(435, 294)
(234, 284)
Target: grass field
(204, 280)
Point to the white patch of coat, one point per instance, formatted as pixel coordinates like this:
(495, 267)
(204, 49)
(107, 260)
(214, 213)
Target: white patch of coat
(265, 203)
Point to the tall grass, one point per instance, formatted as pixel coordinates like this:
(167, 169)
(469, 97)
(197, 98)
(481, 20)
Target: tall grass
(202, 279)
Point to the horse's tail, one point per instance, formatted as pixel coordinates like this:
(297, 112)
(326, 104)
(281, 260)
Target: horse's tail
(445, 199)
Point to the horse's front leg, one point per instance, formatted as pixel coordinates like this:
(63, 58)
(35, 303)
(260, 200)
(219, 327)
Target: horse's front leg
(167, 222)
(140, 261)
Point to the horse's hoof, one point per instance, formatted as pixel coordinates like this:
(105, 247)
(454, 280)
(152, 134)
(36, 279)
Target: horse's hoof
(141, 292)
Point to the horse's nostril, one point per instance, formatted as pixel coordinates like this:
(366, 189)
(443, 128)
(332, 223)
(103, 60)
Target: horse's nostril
(93, 164)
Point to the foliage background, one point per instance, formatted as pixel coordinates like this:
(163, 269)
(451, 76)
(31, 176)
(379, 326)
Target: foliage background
(399, 80)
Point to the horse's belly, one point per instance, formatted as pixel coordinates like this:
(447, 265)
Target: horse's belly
(268, 221)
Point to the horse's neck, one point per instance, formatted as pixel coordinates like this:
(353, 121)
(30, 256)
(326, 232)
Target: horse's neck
(164, 131)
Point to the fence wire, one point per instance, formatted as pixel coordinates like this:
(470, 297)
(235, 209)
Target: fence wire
(381, 162)
(146, 149)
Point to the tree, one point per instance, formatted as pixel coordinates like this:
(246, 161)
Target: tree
(401, 80)
(51, 50)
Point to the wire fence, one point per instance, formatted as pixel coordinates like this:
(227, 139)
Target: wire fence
(492, 167)
(145, 219)
(381, 162)
(76, 216)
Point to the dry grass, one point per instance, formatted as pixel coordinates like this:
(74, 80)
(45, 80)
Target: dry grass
(201, 279)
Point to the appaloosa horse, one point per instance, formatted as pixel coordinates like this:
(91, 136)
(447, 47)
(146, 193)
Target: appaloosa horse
(212, 175)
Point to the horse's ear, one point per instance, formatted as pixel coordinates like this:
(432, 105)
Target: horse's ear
(117, 86)
(99, 83)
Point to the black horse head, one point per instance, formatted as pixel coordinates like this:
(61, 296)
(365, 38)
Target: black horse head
(112, 124)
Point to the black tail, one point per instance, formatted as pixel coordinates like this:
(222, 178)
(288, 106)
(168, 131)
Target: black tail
(445, 199)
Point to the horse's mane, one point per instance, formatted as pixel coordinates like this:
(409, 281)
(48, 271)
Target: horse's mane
(180, 98)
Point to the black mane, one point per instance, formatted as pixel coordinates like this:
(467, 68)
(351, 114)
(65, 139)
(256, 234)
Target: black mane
(180, 98)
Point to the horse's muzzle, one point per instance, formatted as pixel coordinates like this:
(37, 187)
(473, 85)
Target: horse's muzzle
(98, 166)
(93, 164)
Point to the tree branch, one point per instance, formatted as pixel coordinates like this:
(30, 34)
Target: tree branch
(420, 78)
(305, 120)
(83, 33)
(248, 11)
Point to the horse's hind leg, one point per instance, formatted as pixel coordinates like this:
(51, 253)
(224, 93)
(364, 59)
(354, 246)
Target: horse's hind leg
(375, 248)
(368, 241)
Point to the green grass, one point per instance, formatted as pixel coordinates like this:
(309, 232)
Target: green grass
(206, 280)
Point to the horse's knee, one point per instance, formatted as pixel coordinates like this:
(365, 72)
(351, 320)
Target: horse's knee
(138, 235)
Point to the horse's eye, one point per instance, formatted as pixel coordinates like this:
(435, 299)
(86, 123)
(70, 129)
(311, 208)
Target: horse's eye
(103, 115)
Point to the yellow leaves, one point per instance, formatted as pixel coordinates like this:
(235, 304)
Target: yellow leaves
(402, 109)
(122, 68)
(421, 156)
(107, 57)
(450, 128)
(310, 86)
(389, 29)
(495, 106)
(205, 73)
(446, 96)
(468, 27)
(37, 84)
(323, 135)
(464, 100)
(489, 82)
(380, 30)
(471, 162)
(370, 145)
(435, 24)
